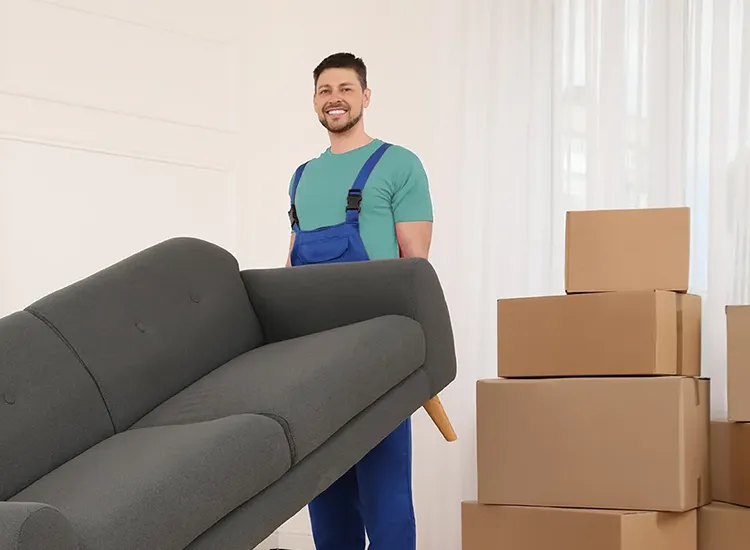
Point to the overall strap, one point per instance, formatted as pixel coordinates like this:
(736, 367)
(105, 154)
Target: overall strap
(354, 197)
(293, 218)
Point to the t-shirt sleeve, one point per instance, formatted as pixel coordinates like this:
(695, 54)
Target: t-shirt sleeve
(289, 187)
(411, 200)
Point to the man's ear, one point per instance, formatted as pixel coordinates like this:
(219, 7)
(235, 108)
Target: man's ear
(366, 99)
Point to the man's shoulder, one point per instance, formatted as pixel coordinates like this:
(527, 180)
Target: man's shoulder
(402, 153)
(403, 162)
(304, 168)
(312, 161)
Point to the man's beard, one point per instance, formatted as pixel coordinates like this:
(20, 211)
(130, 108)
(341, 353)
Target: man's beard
(341, 129)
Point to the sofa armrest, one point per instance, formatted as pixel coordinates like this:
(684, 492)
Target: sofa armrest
(296, 301)
(34, 526)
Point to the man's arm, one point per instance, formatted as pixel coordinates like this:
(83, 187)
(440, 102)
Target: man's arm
(412, 208)
(414, 239)
(289, 254)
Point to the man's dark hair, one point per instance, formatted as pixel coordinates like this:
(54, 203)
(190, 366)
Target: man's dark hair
(342, 60)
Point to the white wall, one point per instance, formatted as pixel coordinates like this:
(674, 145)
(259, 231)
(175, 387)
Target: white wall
(119, 127)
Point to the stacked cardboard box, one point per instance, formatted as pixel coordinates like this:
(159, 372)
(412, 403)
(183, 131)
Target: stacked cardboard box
(595, 434)
(725, 524)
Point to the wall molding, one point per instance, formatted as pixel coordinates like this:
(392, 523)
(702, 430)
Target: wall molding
(128, 21)
(144, 158)
(31, 119)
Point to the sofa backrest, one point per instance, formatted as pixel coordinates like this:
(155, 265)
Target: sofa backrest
(50, 408)
(154, 323)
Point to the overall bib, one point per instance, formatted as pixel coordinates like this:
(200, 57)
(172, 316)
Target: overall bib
(376, 493)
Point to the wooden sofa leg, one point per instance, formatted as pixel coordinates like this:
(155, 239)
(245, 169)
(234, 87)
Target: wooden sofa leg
(436, 411)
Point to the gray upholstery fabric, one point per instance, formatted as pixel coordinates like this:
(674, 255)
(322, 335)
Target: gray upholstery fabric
(295, 301)
(34, 526)
(50, 409)
(172, 401)
(154, 323)
(161, 487)
(254, 521)
(315, 383)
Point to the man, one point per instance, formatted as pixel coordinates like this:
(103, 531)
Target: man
(361, 199)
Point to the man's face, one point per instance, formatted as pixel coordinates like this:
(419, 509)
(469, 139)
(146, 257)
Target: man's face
(340, 100)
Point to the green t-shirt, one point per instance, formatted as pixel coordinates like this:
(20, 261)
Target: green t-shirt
(397, 191)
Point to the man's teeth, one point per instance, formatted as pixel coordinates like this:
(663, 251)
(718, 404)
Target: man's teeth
(336, 112)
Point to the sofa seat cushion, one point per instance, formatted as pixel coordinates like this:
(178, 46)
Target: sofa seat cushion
(162, 487)
(314, 384)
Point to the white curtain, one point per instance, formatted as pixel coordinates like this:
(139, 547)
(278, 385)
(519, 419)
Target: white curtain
(549, 105)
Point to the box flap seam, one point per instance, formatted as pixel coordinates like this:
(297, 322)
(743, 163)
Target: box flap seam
(680, 337)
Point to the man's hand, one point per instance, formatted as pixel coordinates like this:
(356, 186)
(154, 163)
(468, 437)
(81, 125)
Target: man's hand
(414, 239)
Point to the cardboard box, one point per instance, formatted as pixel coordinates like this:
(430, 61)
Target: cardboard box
(738, 363)
(723, 527)
(632, 249)
(610, 333)
(637, 443)
(530, 528)
(730, 458)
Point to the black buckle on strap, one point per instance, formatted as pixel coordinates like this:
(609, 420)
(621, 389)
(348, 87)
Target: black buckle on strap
(293, 219)
(354, 200)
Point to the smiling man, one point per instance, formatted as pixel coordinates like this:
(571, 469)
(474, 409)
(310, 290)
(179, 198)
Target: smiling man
(361, 199)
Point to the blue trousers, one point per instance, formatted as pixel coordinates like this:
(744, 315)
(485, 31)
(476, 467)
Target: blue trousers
(375, 495)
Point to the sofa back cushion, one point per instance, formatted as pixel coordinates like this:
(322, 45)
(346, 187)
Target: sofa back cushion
(154, 323)
(50, 408)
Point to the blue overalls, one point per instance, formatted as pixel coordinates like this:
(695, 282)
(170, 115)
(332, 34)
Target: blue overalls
(376, 493)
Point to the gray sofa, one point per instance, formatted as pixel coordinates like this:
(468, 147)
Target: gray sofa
(173, 401)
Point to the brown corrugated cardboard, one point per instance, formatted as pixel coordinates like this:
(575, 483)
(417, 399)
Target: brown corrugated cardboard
(633, 443)
(738, 363)
(610, 333)
(730, 457)
(632, 249)
(723, 527)
(530, 528)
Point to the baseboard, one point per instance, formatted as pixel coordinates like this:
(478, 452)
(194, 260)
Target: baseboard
(294, 541)
(271, 543)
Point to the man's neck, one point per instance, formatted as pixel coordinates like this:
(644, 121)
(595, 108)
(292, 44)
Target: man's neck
(349, 141)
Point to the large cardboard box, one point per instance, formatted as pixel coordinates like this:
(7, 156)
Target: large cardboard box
(738, 363)
(631, 249)
(635, 443)
(723, 527)
(531, 528)
(730, 462)
(609, 333)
